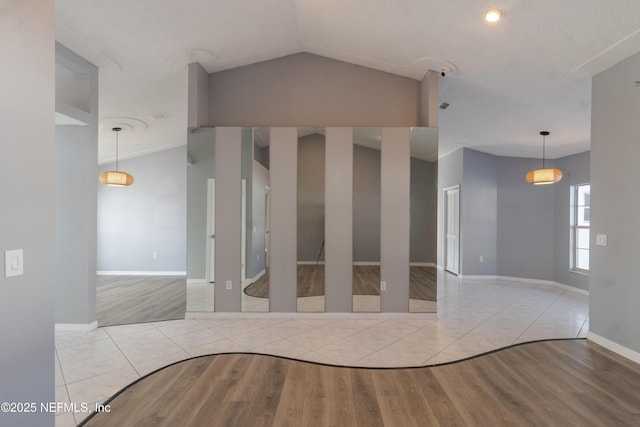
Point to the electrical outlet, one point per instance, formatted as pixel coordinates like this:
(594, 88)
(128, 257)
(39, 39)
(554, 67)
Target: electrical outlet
(383, 285)
(481, 258)
(155, 255)
(229, 285)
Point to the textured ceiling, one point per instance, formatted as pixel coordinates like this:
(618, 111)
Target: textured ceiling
(529, 72)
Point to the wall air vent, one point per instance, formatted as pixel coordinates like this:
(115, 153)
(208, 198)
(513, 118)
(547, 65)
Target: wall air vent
(444, 106)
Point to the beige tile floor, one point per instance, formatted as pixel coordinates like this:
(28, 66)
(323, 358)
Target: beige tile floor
(474, 316)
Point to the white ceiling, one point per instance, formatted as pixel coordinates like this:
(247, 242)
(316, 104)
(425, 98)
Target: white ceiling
(508, 81)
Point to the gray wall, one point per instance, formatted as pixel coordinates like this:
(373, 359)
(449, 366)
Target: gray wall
(366, 204)
(278, 93)
(247, 175)
(201, 152)
(26, 302)
(525, 222)
(76, 173)
(228, 162)
(198, 106)
(521, 230)
(338, 220)
(480, 213)
(310, 201)
(424, 225)
(146, 217)
(260, 181)
(283, 154)
(615, 150)
(394, 219)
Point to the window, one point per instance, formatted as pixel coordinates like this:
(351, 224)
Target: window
(581, 225)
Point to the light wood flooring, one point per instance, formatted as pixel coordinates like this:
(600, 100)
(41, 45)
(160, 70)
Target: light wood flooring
(366, 281)
(137, 299)
(550, 383)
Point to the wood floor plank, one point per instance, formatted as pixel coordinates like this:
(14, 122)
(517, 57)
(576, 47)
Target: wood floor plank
(556, 383)
(366, 281)
(124, 300)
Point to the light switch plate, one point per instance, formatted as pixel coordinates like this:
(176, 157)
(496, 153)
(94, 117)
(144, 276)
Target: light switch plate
(601, 240)
(13, 263)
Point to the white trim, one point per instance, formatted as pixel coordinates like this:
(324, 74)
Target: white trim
(321, 315)
(196, 281)
(623, 351)
(526, 280)
(140, 273)
(570, 288)
(257, 276)
(76, 327)
(423, 264)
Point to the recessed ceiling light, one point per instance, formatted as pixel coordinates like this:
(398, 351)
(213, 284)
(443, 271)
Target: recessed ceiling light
(493, 15)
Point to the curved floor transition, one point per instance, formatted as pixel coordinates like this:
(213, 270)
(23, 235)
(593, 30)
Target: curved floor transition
(556, 382)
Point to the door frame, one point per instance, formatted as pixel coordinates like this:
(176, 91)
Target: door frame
(211, 231)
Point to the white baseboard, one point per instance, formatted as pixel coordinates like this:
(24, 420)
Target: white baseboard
(423, 264)
(140, 273)
(615, 347)
(526, 280)
(196, 281)
(76, 327)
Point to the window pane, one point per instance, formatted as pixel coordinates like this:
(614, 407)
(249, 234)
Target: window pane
(582, 238)
(584, 195)
(582, 261)
(584, 216)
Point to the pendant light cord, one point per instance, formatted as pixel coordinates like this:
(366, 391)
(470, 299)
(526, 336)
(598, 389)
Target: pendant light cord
(116, 130)
(117, 152)
(543, 144)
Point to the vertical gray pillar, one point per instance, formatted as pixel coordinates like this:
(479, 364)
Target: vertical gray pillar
(395, 219)
(228, 218)
(76, 149)
(198, 96)
(429, 100)
(283, 160)
(338, 269)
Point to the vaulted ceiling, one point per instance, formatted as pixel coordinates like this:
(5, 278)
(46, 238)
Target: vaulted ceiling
(506, 82)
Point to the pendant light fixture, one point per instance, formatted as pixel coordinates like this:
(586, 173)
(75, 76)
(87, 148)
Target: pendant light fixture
(544, 175)
(116, 178)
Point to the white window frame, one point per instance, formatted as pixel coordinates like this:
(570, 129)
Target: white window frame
(575, 228)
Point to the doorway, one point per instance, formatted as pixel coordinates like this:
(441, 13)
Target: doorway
(452, 229)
